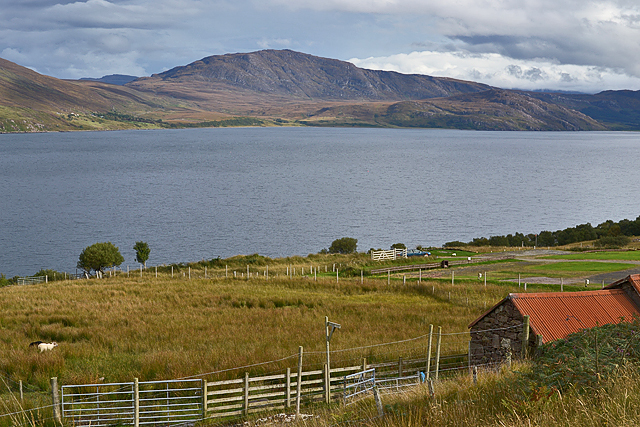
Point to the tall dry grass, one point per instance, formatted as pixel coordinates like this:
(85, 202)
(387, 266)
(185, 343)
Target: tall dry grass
(160, 328)
(500, 400)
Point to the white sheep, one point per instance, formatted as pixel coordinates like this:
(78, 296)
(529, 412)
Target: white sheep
(43, 346)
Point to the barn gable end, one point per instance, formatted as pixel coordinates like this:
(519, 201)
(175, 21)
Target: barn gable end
(553, 315)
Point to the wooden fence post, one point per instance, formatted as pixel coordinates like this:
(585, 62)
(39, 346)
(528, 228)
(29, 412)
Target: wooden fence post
(55, 397)
(327, 384)
(287, 393)
(538, 344)
(438, 351)
(245, 406)
(205, 398)
(376, 397)
(525, 337)
(136, 403)
(429, 351)
(400, 367)
(299, 382)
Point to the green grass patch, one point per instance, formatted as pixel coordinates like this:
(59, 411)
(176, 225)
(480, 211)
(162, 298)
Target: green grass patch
(580, 267)
(609, 255)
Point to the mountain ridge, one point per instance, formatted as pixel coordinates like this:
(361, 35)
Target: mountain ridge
(284, 87)
(304, 76)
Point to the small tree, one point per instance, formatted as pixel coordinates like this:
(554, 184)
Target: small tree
(398, 246)
(99, 256)
(142, 253)
(345, 245)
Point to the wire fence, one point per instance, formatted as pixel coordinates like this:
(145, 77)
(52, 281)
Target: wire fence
(409, 362)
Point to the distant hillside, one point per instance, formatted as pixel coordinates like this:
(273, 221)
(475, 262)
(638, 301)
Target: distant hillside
(619, 110)
(493, 109)
(282, 87)
(32, 102)
(113, 79)
(303, 76)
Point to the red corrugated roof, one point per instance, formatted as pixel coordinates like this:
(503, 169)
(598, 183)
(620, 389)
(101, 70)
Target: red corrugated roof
(554, 315)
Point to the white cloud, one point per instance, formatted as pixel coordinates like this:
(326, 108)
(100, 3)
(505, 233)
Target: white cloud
(501, 71)
(274, 43)
(564, 44)
(587, 33)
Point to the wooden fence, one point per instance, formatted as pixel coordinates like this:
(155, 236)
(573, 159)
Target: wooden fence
(390, 254)
(248, 395)
(31, 280)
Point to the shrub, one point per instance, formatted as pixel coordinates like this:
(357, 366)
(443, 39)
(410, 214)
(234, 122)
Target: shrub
(612, 242)
(99, 256)
(352, 272)
(345, 245)
(51, 274)
(4, 281)
(454, 244)
(142, 252)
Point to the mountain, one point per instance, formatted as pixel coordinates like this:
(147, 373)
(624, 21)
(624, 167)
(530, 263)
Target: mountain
(32, 102)
(302, 76)
(618, 110)
(113, 79)
(280, 87)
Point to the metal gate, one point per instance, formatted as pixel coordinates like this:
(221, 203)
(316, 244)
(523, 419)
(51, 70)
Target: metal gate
(143, 403)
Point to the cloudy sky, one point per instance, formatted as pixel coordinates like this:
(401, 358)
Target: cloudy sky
(573, 45)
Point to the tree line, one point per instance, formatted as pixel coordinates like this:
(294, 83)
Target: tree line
(609, 234)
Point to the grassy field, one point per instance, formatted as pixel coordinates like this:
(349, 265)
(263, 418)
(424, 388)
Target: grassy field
(165, 327)
(161, 328)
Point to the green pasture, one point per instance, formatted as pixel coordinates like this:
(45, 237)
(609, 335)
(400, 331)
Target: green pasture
(578, 267)
(617, 255)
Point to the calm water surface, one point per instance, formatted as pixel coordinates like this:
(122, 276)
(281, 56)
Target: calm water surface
(199, 194)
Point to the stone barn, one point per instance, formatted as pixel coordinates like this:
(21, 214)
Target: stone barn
(552, 316)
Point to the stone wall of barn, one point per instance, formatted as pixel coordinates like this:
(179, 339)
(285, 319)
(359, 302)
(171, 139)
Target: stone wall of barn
(631, 292)
(497, 334)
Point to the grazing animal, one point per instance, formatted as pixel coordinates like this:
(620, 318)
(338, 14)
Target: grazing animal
(43, 346)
